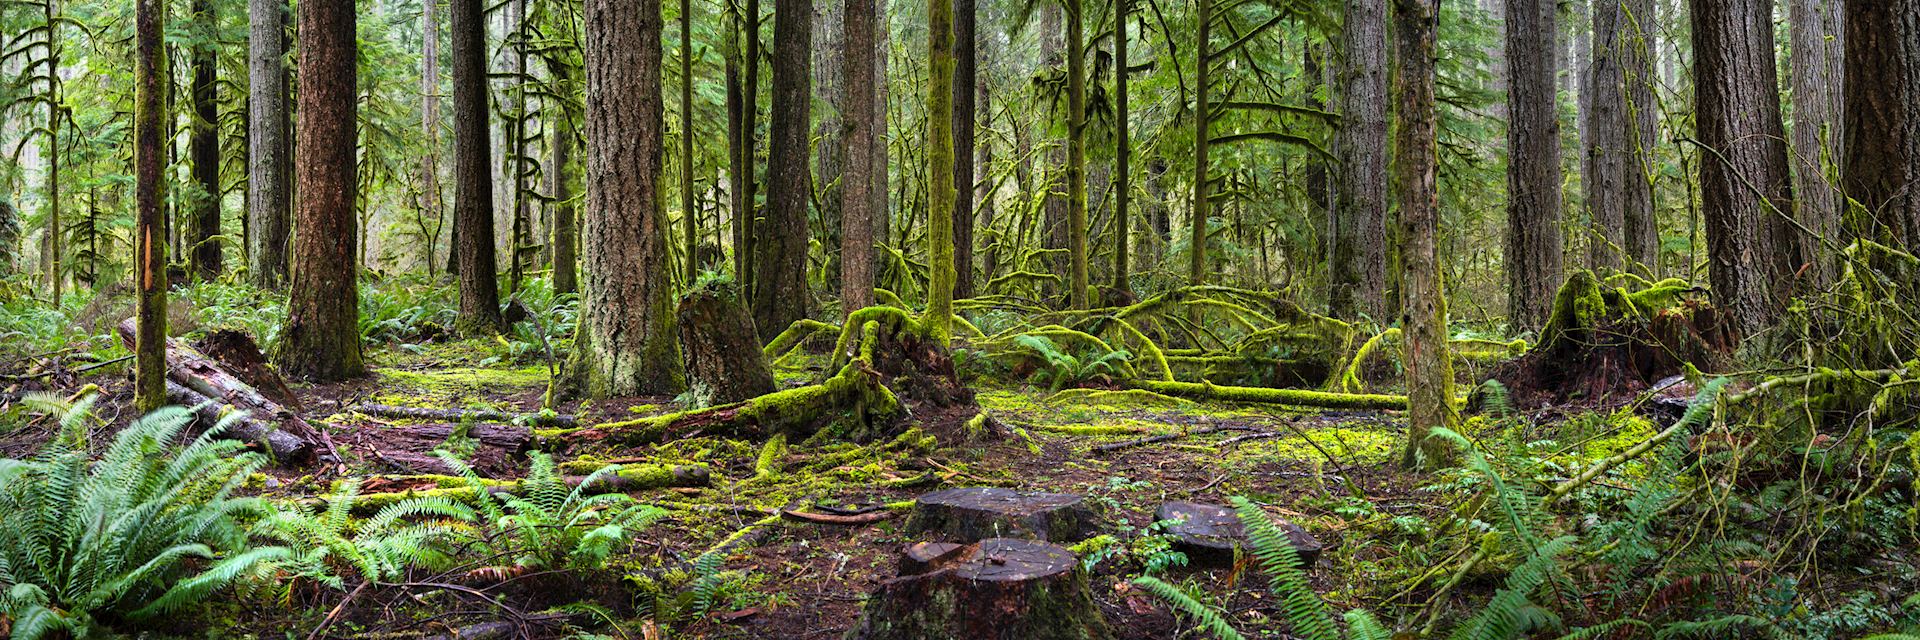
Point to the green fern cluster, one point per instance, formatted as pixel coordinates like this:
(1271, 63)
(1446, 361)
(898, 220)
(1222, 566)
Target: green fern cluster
(416, 532)
(85, 541)
(553, 526)
(1060, 369)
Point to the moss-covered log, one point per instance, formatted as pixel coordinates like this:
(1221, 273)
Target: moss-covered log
(997, 589)
(1291, 397)
(1603, 340)
(388, 490)
(852, 400)
(719, 344)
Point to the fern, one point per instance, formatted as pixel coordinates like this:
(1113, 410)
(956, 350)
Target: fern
(1278, 558)
(1727, 626)
(1204, 617)
(411, 533)
(1506, 616)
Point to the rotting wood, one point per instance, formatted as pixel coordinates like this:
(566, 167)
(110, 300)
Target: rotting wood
(997, 588)
(194, 380)
(467, 415)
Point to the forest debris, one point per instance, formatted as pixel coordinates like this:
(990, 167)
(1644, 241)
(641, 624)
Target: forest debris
(969, 514)
(1290, 397)
(1110, 448)
(718, 343)
(854, 399)
(386, 490)
(466, 415)
(194, 380)
(869, 517)
(1209, 534)
(238, 352)
(996, 588)
(1601, 341)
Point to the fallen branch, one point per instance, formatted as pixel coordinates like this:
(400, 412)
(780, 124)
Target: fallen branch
(1290, 397)
(1110, 448)
(627, 479)
(195, 380)
(466, 415)
(827, 518)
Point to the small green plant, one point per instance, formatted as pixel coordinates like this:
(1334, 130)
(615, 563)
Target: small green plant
(328, 542)
(551, 526)
(85, 540)
(684, 595)
(1059, 369)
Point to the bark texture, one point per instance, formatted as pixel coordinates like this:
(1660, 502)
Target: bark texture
(1077, 150)
(1642, 118)
(941, 164)
(1359, 268)
(856, 192)
(1882, 119)
(472, 177)
(965, 73)
(996, 589)
(204, 259)
(430, 200)
(269, 224)
(1743, 166)
(722, 349)
(781, 236)
(625, 342)
(1605, 159)
(321, 341)
(1533, 247)
(1122, 154)
(150, 194)
(1429, 365)
(1817, 71)
(1197, 230)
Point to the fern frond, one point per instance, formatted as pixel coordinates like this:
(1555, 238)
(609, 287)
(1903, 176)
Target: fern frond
(1274, 549)
(1204, 618)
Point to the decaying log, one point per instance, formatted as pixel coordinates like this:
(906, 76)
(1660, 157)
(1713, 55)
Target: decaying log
(1209, 534)
(854, 400)
(466, 415)
(997, 588)
(386, 490)
(968, 514)
(1290, 397)
(410, 448)
(239, 354)
(193, 379)
(719, 344)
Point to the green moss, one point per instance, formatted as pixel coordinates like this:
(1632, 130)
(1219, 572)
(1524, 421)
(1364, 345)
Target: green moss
(1296, 397)
(468, 380)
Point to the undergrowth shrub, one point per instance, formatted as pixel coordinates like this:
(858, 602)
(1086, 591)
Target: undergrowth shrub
(548, 525)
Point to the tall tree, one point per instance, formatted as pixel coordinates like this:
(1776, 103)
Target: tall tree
(745, 141)
(1429, 366)
(204, 228)
(430, 208)
(781, 237)
(269, 144)
(55, 274)
(1642, 117)
(1743, 167)
(1533, 250)
(321, 341)
(150, 194)
(517, 156)
(1359, 265)
(1122, 152)
(626, 341)
(940, 167)
(688, 215)
(1882, 119)
(965, 72)
(472, 178)
(1605, 144)
(565, 227)
(857, 177)
(1817, 69)
(1197, 238)
(1077, 149)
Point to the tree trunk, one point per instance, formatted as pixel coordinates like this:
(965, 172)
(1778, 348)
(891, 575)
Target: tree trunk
(721, 347)
(1122, 155)
(990, 237)
(430, 208)
(747, 222)
(941, 167)
(1429, 366)
(1605, 159)
(268, 202)
(857, 178)
(1882, 119)
(690, 217)
(1743, 168)
(780, 293)
(472, 178)
(150, 194)
(1197, 234)
(828, 179)
(55, 230)
(321, 341)
(626, 337)
(1642, 225)
(882, 168)
(1359, 268)
(565, 246)
(738, 167)
(1077, 151)
(965, 74)
(1053, 52)
(204, 256)
(517, 159)
(1817, 71)
(1533, 250)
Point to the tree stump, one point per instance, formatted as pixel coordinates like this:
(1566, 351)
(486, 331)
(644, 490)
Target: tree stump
(720, 345)
(1208, 534)
(969, 514)
(998, 588)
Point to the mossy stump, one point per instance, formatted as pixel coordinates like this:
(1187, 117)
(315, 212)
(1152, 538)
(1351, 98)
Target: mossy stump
(720, 345)
(998, 588)
(1209, 534)
(970, 514)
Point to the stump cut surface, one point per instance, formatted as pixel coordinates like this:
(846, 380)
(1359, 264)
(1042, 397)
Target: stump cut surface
(970, 514)
(1209, 533)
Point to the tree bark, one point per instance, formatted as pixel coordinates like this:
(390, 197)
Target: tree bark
(203, 232)
(1817, 71)
(565, 231)
(882, 168)
(941, 167)
(1605, 159)
(269, 222)
(689, 216)
(965, 73)
(516, 131)
(747, 221)
(430, 204)
(150, 194)
(1077, 151)
(828, 178)
(1642, 224)
(722, 348)
(1743, 167)
(1122, 154)
(472, 178)
(1359, 266)
(321, 341)
(1533, 249)
(780, 293)
(626, 337)
(1882, 119)
(1197, 234)
(1429, 365)
(857, 178)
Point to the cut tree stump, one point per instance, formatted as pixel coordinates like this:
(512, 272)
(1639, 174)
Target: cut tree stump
(719, 344)
(193, 379)
(998, 588)
(970, 514)
(1209, 533)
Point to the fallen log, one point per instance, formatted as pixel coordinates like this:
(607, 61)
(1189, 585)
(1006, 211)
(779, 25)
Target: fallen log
(855, 395)
(466, 415)
(1290, 397)
(194, 379)
(392, 489)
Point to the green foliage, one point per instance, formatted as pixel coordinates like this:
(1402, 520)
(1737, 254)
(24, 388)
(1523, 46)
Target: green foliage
(85, 540)
(327, 541)
(1058, 369)
(551, 526)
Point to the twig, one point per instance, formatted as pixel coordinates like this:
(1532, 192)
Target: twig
(825, 518)
(337, 610)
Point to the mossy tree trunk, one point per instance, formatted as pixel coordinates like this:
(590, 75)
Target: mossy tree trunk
(565, 224)
(1197, 215)
(1077, 151)
(204, 256)
(472, 178)
(150, 194)
(965, 72)
(779, 282)
(1429, 365)
(625, 341)
(1123, 153)
(940, 168)
(321, 341)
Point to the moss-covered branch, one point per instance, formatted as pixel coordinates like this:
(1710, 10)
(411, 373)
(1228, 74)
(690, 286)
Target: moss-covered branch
(1291, 397)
